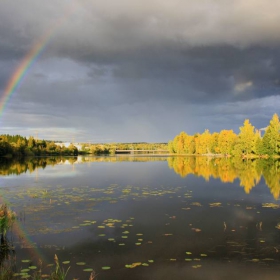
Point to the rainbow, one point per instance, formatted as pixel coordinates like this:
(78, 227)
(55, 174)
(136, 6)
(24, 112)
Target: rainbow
(21, 71)
(37, 48)
(25, 241)
(13, 84)
(33, 251)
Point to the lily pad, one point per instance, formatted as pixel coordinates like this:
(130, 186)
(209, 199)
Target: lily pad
(80, 263)
(88, 269)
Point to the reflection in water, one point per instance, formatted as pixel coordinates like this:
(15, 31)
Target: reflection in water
(7, 253)
(138, 215)
(17, 167)
(249, 172)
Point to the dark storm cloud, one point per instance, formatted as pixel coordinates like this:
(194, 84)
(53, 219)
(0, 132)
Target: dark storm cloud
(101, 28)
(202, 74)
(145, 68)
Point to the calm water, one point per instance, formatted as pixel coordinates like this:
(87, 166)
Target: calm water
(146, 218)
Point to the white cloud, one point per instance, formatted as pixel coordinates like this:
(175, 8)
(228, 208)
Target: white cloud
(241, 87)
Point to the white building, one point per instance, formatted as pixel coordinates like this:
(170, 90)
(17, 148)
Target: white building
(67, 144)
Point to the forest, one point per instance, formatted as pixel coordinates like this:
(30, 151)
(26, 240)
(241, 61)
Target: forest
(248, 143)
(16, 146)
(110, 148)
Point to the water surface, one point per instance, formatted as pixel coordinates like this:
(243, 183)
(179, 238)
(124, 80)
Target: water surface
(146, 217)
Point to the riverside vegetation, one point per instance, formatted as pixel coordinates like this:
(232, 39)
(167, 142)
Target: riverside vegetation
(17, 146)
(248, 143)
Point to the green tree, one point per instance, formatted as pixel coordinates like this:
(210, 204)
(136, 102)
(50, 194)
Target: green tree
(73, 150)
(170, 147)
(51, 146)
(31, 142)
(259, 145)
(271, 138)
(5, 148)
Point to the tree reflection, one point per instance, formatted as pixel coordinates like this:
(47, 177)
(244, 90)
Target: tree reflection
(271, 174)
(17, 167)
(249, 172)
(7, 253)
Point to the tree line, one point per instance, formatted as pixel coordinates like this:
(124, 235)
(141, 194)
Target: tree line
(19, 146)
(110, 148)
(248, 143)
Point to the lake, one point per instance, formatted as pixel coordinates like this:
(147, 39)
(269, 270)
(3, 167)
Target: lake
(144, 217)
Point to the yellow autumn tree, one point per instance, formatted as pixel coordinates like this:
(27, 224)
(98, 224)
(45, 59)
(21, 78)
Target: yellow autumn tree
(226, 141)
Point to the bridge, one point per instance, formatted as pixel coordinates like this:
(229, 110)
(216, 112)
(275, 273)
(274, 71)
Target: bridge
(140, 151)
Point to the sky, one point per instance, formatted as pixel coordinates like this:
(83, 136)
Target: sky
(138, 71)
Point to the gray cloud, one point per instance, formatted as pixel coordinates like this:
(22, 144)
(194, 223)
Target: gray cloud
(95, 27)
(131, 70)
